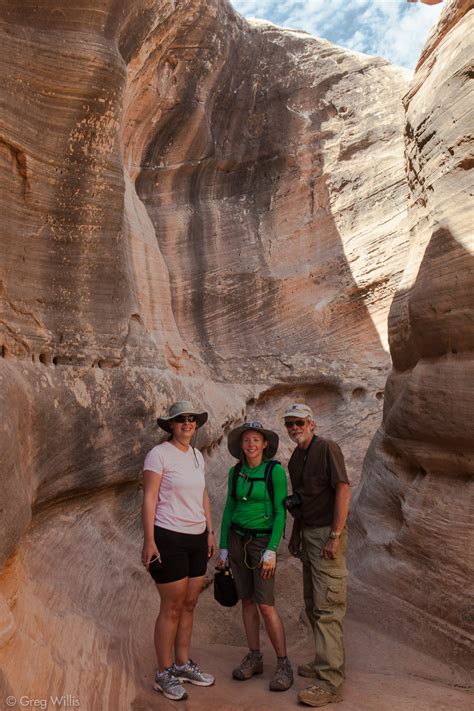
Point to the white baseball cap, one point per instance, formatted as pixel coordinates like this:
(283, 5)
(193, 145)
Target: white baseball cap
(299, 409)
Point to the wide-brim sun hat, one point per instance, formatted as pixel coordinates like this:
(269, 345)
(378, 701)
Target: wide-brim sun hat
(234, 437)
(183, 407)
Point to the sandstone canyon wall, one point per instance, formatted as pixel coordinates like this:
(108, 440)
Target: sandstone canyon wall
(185, 193)
(414, 515)
(194, 206)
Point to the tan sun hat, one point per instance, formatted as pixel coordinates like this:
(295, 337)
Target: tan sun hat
(299, 409)
(233, 439)
(183, 407)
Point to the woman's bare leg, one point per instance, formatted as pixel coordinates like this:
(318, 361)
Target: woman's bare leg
(251, 623)
(274, 627)
(182, 641)
(172, 597)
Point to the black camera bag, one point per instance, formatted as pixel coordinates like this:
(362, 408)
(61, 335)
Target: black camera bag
(225, 591)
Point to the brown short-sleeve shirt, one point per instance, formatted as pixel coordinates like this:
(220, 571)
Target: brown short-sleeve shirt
(316, 479)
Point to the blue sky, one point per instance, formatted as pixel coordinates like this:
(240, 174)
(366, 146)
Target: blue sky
(395, 29)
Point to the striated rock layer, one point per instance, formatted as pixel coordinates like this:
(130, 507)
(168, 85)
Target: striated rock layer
(414, 515)
(186, 196)
(195, 207)
(268, 178)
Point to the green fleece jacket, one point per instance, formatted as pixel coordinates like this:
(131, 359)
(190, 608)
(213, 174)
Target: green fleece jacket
(252, 508)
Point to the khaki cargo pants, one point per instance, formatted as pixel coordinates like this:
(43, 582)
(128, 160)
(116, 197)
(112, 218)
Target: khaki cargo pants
(324, 589)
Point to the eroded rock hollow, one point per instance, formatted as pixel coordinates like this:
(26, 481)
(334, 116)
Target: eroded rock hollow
(195, 206)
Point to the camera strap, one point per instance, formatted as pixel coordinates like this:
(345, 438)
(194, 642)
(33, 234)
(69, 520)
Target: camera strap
(305, 461)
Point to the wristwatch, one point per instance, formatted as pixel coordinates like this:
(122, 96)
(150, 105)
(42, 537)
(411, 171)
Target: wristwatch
(334, 534)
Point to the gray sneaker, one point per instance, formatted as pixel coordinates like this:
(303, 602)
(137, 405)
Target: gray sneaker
(169, 685)
(283, 676)
(251, 664)
(191, 672)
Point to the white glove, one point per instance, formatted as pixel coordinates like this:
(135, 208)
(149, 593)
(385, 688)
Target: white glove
(223, 555)
(269, 557)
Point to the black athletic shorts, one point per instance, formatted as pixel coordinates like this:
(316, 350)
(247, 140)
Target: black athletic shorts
(183, 555)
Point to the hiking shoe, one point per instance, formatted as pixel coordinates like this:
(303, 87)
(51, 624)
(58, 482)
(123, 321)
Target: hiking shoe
(191, 672)
(316, 696)
(169, 685)
(251, 664)
(307, 670)
(283, 676)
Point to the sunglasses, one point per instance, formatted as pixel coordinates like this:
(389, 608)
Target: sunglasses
(253, 425)
(294, 423)
(185, 418)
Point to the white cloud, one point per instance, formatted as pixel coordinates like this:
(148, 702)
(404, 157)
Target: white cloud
(357, 42)
(393, 29)
(403, 40)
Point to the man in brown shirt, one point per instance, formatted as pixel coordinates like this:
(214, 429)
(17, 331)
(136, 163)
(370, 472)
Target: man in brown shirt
(318, 475)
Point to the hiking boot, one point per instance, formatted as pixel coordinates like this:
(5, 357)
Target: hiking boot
(307, 670)
(316, 696)
(169, 685)
(283, 676)
(251, 664)
(191, 672)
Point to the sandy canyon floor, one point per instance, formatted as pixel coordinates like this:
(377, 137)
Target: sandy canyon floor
(382, 675)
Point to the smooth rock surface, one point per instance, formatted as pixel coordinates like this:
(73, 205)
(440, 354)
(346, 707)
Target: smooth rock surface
(414, 517)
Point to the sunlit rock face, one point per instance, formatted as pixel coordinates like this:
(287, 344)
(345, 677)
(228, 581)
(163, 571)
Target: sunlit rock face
(193, 207)
(272, 184)
(414, 516)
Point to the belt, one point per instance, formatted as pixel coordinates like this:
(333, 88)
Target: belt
(252, 532)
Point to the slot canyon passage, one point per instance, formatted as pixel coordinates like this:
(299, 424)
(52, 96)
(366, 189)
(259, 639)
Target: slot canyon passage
(196, 206)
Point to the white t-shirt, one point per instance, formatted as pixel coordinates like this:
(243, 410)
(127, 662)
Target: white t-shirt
(180, 500)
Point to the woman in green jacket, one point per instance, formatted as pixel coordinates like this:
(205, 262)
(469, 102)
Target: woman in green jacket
(252, 526)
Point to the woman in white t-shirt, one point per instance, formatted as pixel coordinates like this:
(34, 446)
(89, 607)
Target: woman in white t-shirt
(178, 541)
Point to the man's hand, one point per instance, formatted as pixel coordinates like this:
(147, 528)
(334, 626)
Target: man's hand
(329, 550)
